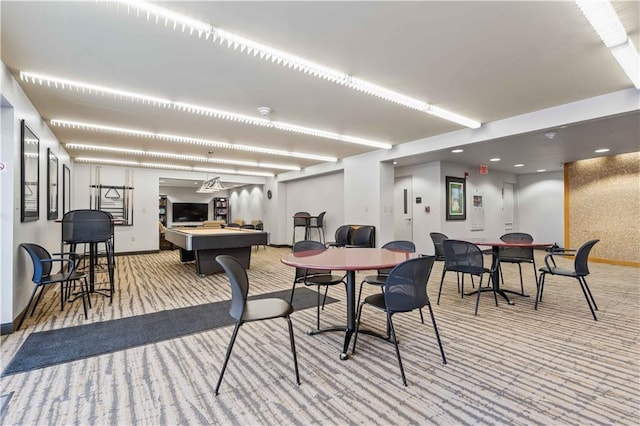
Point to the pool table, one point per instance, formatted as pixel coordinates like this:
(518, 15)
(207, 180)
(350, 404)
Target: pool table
(204, 244)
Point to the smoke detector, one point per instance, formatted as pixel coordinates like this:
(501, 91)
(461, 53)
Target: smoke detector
(551, 135)
(264, 111)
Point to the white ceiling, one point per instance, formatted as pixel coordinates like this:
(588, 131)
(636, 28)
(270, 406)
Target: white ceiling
(485, 60)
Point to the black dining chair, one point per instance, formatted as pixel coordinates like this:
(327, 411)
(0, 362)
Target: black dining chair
(437, 238)
(382, 274)
(314, 277)
(363, 237)
(300, 222)
(579, 272)
(405, 290)
(341, 237)
(466, 258)
(43, 275)
(317, 224)
(243, 310)
(93, 227)
(517, 255)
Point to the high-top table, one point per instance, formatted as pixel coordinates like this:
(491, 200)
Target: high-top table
(495, 259)
(349, 260)
(307, 219)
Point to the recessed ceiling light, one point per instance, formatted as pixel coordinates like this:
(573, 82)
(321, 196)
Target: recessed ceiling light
(161, 181)
(541, 170)
(602, 150)
(518, 165)
(494, 159)
(457, 151)
(395, 162)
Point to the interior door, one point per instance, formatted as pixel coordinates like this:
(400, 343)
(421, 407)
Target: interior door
(403, 212)
(509, 206)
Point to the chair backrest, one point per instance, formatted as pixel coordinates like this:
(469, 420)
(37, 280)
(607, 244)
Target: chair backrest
(363, 236)
(438, 238)
(248, 226)
(463, 256)
(342, 235)
(398, 245)
(301, 221)
(87, 226)
(406, 286)
(259, 226)
(320, 220)
(239, 284)
(38, 253)
(232, 225)
(306, 245)
(524, 253)
(581, 263)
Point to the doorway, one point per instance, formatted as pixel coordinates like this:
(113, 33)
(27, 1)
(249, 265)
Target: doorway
(403, 212)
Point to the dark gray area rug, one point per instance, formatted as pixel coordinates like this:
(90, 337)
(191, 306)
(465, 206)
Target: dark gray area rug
(46, 348)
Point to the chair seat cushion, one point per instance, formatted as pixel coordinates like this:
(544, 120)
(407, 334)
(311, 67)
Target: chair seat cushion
(262, 309)
(376, 300)
(505, 259)
(376, 279)
(324, 280)
(56, 278)
(559, 271)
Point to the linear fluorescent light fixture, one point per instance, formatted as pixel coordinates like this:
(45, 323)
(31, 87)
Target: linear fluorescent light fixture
(267, 53)
(114, 162)
(92, 89)
(186, 139)
(172, 156)
(605, 21)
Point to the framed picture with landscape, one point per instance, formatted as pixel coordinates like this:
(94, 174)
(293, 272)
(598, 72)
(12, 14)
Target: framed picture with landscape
(456, 198)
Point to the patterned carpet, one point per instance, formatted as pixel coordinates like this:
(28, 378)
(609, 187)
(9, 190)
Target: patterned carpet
(508, 365)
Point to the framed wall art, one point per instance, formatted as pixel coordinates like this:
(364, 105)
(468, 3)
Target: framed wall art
(52, 185)
(456, 198)
(29, 175)
(66, 189)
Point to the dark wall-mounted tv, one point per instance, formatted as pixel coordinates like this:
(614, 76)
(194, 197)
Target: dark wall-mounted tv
(190, 212)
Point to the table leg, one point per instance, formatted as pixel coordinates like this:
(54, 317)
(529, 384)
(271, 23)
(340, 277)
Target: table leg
(92, 266)
(351, 313)
(495, 277)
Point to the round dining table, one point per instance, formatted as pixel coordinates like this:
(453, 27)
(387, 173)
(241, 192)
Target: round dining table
(495, 261)
(349, 260)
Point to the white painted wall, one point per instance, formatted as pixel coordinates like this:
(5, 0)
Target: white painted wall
(313, 195)
(541, 206)
(427, 185)
(16, 268)
(247, 203)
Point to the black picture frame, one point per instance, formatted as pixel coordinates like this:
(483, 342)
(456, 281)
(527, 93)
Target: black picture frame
(66, 189)
(29, 174)
(52, 185)
(456, 198)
